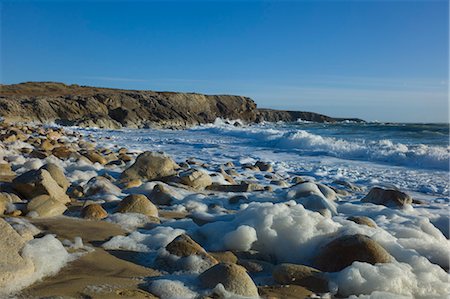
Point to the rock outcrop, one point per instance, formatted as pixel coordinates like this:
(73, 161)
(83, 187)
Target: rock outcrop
(115, 108)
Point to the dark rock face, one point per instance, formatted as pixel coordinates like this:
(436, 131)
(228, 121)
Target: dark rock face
(271, 115)
(115, 108)
(57, 102)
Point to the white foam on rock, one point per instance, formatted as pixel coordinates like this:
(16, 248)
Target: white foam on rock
(144, 242)
(48, 256)
(128, 221)
(285, 230)
(171, 289)
(419, 280)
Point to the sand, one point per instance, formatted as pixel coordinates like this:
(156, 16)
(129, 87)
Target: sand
(98, 274)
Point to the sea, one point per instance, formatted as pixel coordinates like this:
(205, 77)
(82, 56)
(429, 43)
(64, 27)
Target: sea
(407, 156)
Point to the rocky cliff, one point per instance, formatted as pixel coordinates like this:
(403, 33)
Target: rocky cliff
(116, 108)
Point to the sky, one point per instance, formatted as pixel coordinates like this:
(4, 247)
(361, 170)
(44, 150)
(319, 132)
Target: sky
(376, 60)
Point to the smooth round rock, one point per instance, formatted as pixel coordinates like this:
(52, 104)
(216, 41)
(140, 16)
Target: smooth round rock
(233, 277)
(138, 203)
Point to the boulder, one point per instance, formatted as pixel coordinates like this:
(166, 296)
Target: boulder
(138, 203)
(329, 193)
(224, 257)
(101, 185)
(233, 277)
(95, 157)
(57, 174)
(305, 276)
(243, 187)
(94, 212)
(237, 199)
(362, 220)
(387, 197)
(184, 246)
(343, 251)
(184, 254)
(9, 197)
(150, 166)
(3, 207)
(75, 191)
(46, 145)
(311, 197)
(348, 185)
(255, 266)
(264, 166)
(161, 195)
(46, 206)
(285, 292)
(196, 179)
(12, 266)
(132, 184)
(39, 182)
(6, 173)
(62, 152)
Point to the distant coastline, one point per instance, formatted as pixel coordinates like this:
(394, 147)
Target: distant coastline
(85, 106)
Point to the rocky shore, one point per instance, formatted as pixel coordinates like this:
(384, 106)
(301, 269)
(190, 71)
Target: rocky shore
(83, 221)
(50, 102)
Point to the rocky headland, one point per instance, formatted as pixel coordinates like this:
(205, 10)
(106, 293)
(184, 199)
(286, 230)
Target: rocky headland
(50, 102)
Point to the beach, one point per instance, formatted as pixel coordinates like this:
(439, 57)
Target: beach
(228, 210)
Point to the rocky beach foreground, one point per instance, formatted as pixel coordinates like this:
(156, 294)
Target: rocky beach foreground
(83, 221)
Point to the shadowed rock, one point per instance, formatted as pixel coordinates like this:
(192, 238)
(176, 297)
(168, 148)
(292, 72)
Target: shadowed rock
(387, 197)
(343, 251)
(150, 166)
(233, 277)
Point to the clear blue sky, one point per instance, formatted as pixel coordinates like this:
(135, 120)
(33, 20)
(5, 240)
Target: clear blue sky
(377, 60)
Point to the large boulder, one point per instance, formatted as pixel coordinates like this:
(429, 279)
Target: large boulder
(45, 206)
(6, 173)
(138, 203)
(184, 254)
(387, 197)
(363, 220)
(196, 179)
(95, 157)
(9, 197)
(343, 251)
(264, 166)
(242, 187)
(161, 195)
(308, 277)
(100, 185)
(39, 182)
(13, 266)
(314, 197)
(57, 174)
(150, 166)
(183, 246)
(233, 277)
(285, 292)
(94, 212)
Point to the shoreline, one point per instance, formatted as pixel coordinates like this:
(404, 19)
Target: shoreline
(193, 217)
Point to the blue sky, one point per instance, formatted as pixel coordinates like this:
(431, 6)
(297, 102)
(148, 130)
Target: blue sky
(377, 60)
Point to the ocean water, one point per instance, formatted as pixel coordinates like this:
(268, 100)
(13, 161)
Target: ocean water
(411, 157)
